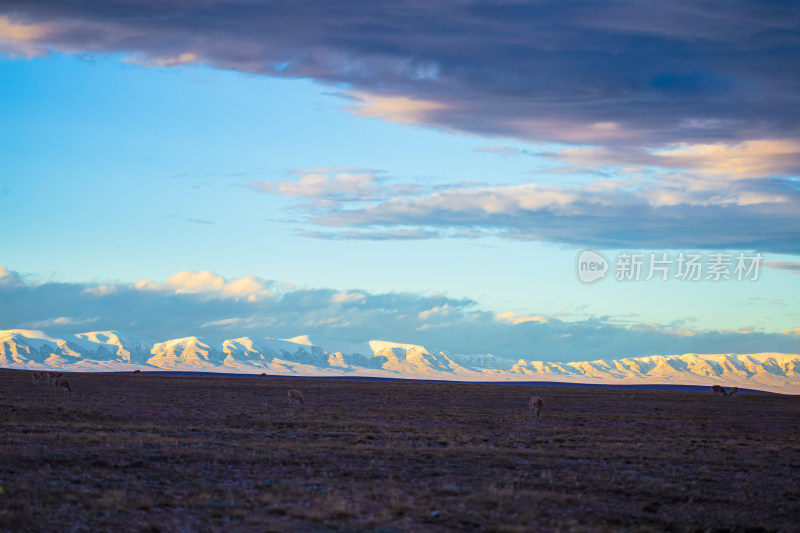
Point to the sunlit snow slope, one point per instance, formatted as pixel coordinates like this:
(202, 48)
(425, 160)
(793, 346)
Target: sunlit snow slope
(311, 356)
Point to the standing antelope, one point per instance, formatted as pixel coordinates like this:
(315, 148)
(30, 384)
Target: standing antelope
(52, 377)
(37, 377)
(717, 389)
(536, 406)
(733, 391)
(296, 398)
(62, 385)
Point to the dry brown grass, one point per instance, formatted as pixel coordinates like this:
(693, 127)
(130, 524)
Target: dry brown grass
(164, 453)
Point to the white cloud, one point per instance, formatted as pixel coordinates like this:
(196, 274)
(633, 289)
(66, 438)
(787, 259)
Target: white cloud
(101, 290)
(9, 278)
(63, 321)
(222, 322)
(209, 284)
(328, 186)
(439, 311)
(348, 297)
(662, 210)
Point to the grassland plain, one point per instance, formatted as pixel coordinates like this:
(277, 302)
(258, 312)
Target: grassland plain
(213, 453)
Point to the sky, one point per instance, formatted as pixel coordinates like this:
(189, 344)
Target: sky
(419, 172)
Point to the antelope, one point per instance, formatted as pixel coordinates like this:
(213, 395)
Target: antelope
(137, 371)
(62, 385)
(296, 398)
(52, 377)
(263, 375)
(536, 406)
(733, 391)
(37, 377)
(716, 389)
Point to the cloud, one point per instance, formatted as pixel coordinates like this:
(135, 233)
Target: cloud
(325, 187)
(793, 267)
(20, 39)
(439, 311)
(371, 235)
(9, 278)
(759, 158)
(611, 74)
(505, 151)
(222, 322)
(62, 322)
(511, 317)
(208, 284)
(345, 297)
(668, 212)
(171, 61)
(201, 221)
(101, 290)
(196, 303)
(750, 159)
(399, 109)
(700, 107)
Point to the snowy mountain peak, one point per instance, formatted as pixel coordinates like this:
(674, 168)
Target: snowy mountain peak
(313, 356)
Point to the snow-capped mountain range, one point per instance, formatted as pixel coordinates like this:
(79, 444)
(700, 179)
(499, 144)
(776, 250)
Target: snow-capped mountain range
(310, 356)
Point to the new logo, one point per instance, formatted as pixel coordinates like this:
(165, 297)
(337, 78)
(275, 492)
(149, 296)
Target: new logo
(591, 266)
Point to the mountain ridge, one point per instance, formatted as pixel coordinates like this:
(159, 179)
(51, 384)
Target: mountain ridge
(312, 356)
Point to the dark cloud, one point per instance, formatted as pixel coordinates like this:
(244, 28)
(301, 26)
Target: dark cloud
(165, 311)
(619, 72)
(705, 88)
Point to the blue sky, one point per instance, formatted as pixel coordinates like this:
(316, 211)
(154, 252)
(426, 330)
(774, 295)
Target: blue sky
(428, 183)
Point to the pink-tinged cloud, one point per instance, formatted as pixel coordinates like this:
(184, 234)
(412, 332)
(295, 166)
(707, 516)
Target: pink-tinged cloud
(750, 159)
(399, 109)
(19, 39)
(793, 267)
(208, 284)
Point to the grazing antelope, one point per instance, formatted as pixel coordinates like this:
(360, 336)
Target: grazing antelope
(716, 389)
(62, 385)
(37, 377)
(536, 406)
(296, 398)
(733, 391)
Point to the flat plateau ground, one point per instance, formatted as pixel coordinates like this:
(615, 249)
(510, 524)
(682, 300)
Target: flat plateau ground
(167, 453)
